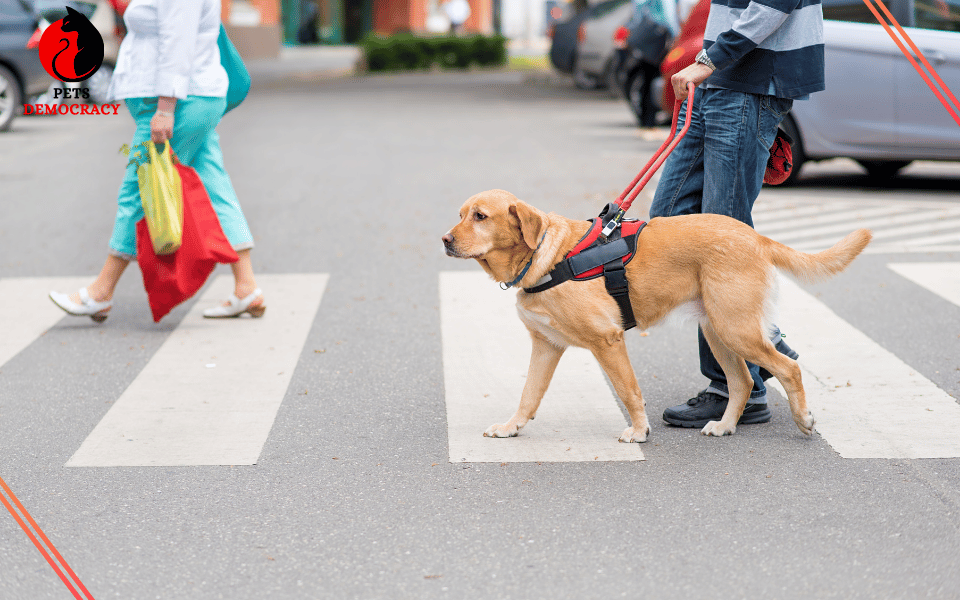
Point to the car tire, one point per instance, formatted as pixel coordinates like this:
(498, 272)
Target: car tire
(883, 169)
(796, 149)
(11, 97)
(634, 97)
(582, 79)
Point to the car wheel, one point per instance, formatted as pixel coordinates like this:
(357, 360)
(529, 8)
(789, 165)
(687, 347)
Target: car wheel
(11, 98)
(634, 94)
(99, 84)
(883, 169)
(582, 79)
(610, 78)
(796, 149)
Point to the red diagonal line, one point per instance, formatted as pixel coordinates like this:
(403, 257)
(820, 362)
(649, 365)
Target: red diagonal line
(913, 62)
(46, 540)
(923, 59)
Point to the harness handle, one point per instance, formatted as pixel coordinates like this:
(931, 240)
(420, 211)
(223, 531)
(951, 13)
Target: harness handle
(626, 198)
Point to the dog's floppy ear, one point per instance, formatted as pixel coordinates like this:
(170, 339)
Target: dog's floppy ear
(532, 223)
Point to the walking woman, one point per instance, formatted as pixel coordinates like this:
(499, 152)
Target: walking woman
(169, 73)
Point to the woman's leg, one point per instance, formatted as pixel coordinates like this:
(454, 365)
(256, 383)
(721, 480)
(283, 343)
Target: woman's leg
(102, 289)
(244, 281)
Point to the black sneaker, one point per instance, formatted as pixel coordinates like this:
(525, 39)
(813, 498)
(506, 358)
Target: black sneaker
(707, 406)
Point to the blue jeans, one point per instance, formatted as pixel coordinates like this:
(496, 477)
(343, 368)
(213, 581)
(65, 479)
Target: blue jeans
(718, 168)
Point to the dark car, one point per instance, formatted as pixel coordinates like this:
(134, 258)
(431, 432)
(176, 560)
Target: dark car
(641, 46)
(21, 73)
(566, 36)
(563, 36)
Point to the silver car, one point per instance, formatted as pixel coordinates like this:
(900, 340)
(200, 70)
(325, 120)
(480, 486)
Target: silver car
(594, 66)
(876, 108)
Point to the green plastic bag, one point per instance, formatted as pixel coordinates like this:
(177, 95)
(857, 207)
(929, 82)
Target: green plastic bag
(161, 193)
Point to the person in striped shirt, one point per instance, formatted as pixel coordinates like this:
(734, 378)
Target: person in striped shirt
(758, 57)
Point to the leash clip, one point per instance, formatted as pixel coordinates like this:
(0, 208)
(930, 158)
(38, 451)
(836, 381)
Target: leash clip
(612, 224)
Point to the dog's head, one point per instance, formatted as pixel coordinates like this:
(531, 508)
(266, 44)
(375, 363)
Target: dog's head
(498, 230)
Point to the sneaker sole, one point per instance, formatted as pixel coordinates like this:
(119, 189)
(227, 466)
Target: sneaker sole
(752, 419)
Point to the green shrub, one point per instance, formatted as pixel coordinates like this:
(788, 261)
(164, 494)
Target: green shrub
(410, 52)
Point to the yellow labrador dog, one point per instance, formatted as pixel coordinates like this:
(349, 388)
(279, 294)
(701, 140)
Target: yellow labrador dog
(714, 264)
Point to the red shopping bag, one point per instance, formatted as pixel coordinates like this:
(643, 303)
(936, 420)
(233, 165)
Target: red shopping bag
(172, 278)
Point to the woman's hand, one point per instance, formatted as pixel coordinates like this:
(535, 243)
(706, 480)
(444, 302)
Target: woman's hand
(161, 125)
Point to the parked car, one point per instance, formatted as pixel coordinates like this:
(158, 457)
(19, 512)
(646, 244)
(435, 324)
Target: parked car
(594, 65)
(21, 73)
(683, 52)
(563, 35)
(641, 45)
(876, 109)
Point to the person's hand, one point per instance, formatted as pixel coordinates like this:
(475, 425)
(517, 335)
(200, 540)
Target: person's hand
(694, 75)
(161, 127)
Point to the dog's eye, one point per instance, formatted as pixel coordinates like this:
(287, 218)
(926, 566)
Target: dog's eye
(479, 216)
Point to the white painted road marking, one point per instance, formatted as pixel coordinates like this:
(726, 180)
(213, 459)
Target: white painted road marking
(486, 352)
(28, 312)
(941, 278)
(180, 411)
(898, 227)
(868, 403)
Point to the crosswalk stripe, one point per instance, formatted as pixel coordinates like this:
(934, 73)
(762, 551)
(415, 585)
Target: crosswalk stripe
(27, 312)
(941, 278)
(769, 212)
(210, 394)
(884, 222)
(486, 351)
(858, 217)
(868, 403)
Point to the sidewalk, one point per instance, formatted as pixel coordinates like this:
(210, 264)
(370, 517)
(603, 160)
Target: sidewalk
(305, 63)
(308, 63)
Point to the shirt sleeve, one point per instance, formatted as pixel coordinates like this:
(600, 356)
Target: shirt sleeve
(179, 25)
(755, 24)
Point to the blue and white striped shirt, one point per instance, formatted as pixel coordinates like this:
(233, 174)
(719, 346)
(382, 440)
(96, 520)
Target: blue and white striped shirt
(766, 46)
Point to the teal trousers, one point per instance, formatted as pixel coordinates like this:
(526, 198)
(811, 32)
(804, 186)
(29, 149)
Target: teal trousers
(196, 143)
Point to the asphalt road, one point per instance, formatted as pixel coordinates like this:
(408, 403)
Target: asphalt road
(354, 495)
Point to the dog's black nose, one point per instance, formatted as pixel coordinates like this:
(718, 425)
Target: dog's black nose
(447, 239)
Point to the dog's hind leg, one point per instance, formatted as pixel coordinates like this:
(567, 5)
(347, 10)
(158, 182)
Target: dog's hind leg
(616, 363)
(543, 362)
(787, 372)
(739, 383)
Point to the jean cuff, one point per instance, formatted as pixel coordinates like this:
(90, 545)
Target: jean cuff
(721, 389)
(125, 256)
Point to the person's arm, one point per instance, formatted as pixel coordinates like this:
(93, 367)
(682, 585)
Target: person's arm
(755, 24)
(179, 22)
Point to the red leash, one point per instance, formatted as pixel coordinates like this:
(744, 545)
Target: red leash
(627, 197)
(75, 580)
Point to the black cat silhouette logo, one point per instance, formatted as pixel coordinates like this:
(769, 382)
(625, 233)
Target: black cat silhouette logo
(71, 49)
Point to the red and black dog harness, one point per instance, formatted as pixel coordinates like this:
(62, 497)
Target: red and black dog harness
(595, 256)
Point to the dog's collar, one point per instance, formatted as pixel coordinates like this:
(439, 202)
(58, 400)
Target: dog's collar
(507, 286)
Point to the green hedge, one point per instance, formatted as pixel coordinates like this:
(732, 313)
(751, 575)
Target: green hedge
(409, 52)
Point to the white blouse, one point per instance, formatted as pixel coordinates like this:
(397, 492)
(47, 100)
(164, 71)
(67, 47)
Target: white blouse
(170, 50)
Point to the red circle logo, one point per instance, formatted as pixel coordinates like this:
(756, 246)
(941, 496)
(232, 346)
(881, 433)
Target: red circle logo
(71, 49)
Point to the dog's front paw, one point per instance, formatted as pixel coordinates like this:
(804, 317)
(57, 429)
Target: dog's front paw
(501, 431)
(635, 434)
(718, 429)
(806, 423)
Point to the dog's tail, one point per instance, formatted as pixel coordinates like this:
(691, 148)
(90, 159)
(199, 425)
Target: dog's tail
(815, 267)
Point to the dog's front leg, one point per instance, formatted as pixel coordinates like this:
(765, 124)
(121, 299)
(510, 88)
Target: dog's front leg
(543, 362)
(616, 363)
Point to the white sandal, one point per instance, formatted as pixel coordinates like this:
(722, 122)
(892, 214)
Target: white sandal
(237, 307)
(88, 307)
